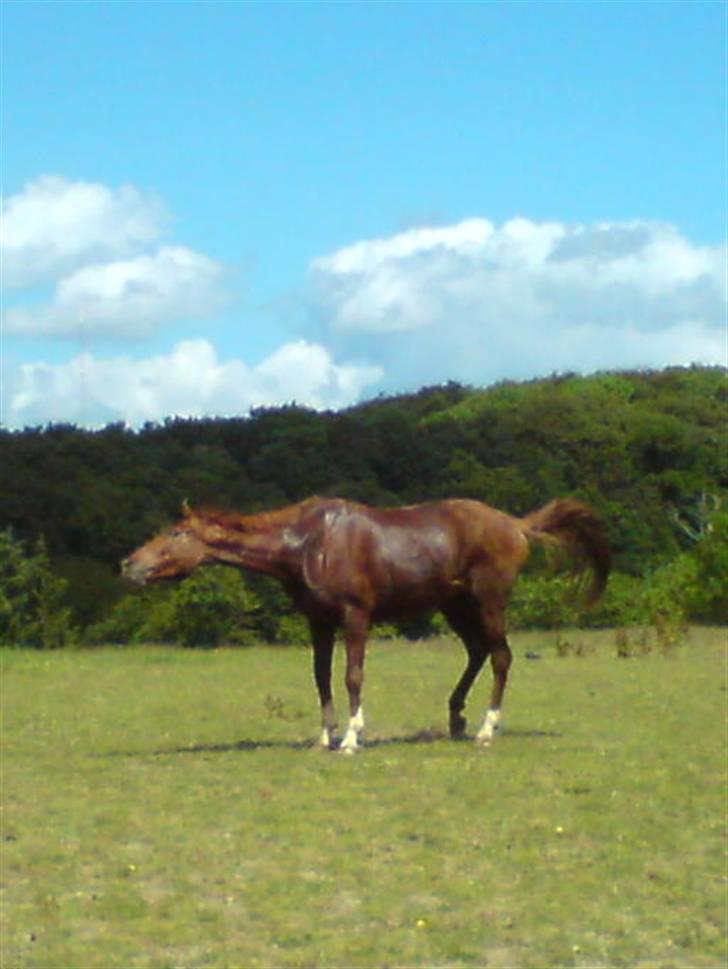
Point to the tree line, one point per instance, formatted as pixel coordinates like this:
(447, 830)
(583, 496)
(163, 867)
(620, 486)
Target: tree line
(646, 449)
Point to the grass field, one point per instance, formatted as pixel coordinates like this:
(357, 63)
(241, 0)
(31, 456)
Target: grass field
(163, 808)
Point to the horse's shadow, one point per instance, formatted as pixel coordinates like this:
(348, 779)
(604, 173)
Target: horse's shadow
(421, 737)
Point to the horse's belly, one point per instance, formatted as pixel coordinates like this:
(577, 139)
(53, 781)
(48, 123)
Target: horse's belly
(406, 599)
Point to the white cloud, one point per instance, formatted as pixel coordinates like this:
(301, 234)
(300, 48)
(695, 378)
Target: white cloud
(99, 247)
(54, 225)
(127, 298)
(467, 236)
(190, 381)
(475, 303)
(470, 302)
(385, 285)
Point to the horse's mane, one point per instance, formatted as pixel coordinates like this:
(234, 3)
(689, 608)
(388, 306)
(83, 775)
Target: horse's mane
(262, 521)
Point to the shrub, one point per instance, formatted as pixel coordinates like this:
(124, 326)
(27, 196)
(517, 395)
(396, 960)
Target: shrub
(211, 607)
(543, 602)
(694, 585)
(208, 608)
(141, 616)
(620, 605)
(292, 630)
(33, 611)
(709, 593)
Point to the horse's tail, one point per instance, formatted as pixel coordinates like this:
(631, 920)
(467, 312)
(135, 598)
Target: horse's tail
(575, 527)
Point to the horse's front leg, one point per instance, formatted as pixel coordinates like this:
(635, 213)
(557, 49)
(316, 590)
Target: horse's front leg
(500, 659)
(323, 635)
(356, 629)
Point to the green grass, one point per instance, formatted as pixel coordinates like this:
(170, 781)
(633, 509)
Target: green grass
(163, 808)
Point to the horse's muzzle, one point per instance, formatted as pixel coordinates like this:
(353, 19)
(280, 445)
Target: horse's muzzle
(132, 571)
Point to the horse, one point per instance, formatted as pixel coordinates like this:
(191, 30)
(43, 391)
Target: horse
(347, 565)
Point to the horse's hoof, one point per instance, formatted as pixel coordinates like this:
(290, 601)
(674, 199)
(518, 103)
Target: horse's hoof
(486, 739)
(457, 726)
(350, 751)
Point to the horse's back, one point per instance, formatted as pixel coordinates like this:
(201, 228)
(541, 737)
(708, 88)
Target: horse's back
(399, 560)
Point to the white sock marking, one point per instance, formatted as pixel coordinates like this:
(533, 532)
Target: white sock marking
(328, 724)
(354, 730)
(491, 726)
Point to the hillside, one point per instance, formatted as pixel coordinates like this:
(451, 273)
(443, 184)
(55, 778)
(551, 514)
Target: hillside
(647, 449)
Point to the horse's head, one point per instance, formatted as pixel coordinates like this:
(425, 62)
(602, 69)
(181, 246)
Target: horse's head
(173, 554)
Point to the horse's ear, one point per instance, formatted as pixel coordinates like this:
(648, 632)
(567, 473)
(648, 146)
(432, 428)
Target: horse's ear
(186, 510)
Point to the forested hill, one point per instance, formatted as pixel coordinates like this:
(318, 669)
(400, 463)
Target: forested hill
(647, 449)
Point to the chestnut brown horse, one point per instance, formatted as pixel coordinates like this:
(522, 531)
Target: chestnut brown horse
(347, 565)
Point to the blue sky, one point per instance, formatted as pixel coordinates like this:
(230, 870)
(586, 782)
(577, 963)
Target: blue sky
(213, 206)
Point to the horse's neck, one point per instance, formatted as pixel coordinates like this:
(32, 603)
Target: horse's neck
(268, 542)
(266, 550)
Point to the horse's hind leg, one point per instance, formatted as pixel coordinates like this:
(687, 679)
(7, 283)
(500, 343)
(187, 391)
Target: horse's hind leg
(465, 620)
(500, 659)
(491, 592)
(482, 629)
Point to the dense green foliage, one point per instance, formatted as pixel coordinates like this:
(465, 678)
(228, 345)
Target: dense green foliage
(648, 450)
